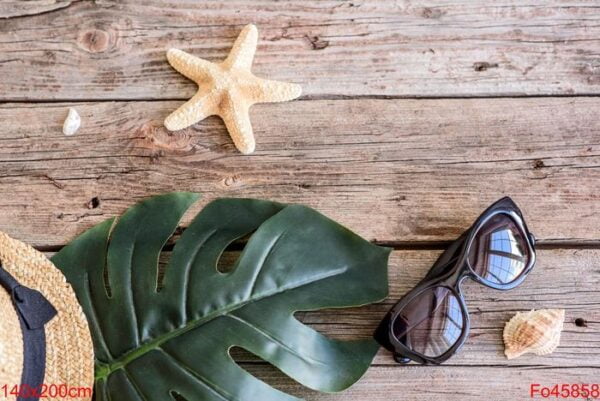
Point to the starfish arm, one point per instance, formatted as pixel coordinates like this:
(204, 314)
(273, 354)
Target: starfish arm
(242, 52)
(190, 66)
(266, 91)
(197, 108)
(236, 116)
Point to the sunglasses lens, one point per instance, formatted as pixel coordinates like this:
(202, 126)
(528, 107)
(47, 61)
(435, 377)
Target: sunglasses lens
(499, 252)
(431, 323)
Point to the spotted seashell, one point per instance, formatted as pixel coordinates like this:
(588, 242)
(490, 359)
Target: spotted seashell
(537, 331)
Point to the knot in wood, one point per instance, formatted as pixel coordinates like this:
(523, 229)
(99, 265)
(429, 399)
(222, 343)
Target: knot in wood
(94, 40)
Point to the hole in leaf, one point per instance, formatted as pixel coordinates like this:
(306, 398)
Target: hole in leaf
(240, 356)
(354, 324)
(231, 253)
(165, 256)
(176, 396)
(265, 372)
(105, 273)
(105, 270)
(227, 260)
(106, 283)
(163, 261)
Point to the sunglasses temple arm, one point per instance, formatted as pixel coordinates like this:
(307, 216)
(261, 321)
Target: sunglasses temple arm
(447, 258)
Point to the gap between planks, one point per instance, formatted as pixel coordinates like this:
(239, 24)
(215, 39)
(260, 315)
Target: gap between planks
(305, 98)
(395, 245)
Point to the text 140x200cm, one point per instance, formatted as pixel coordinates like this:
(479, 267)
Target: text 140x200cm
(44, 391)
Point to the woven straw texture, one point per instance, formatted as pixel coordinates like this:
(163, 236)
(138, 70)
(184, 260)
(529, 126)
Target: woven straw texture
(69, 351)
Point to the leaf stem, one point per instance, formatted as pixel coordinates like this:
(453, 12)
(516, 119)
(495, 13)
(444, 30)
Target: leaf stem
(103, 370)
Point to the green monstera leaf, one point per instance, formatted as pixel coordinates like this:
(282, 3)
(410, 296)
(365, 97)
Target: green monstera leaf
(154, 340)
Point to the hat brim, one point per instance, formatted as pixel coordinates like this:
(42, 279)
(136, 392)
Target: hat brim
(69, 350)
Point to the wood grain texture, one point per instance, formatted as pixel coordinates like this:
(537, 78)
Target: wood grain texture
(116, 49)
(24, 8)
(392, 170)
(440, 383)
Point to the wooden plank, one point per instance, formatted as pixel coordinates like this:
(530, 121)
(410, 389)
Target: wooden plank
(382, 171)
(437, 383)
(392, 170)
(116, 49)
(20, 8)
(563, 278)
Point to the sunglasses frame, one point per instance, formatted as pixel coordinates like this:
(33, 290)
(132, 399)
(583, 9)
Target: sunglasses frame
(450, 270)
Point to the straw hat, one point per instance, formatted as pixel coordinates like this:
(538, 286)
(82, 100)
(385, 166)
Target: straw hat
(69, 352)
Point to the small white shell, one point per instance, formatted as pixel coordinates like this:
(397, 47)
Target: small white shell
(537, 332)
(72, 122)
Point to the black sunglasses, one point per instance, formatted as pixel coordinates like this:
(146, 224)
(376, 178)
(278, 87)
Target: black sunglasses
(430, 323)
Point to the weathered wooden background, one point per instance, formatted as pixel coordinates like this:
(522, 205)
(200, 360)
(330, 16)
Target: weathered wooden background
(415, 116)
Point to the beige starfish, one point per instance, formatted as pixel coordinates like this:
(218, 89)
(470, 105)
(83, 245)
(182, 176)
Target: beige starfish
(227, 89)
